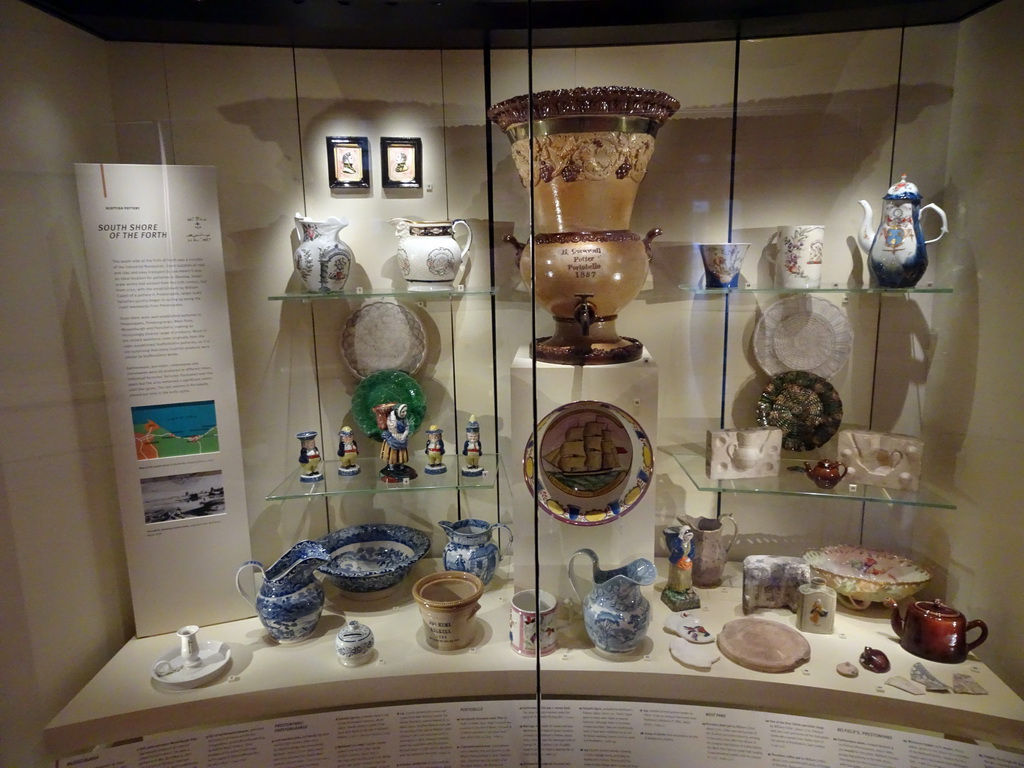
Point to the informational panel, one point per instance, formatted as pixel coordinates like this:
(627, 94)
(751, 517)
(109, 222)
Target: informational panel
(156, 274)
(573, 734)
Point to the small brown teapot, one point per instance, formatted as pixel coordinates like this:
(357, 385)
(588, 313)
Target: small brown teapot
(826, 473)
(935, 631)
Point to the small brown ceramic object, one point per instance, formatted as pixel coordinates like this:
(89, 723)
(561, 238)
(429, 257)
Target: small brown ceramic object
(936, 631)
(826, 473)
(874, 660)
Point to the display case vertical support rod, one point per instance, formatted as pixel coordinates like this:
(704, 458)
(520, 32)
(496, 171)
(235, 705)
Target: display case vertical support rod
(731, 211)
(489, 154)
(312, 304)
(533, 371)
(881, 297)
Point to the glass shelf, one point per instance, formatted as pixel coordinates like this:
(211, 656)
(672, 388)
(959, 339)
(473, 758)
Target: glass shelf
(367, 481)
(792, 481)
(445, 295)
(832, 288)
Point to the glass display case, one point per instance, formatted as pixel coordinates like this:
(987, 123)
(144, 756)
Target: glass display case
(594, 412)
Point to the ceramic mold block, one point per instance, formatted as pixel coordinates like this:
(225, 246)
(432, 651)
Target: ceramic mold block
(771, 581)
(882, 459)
(733, 454)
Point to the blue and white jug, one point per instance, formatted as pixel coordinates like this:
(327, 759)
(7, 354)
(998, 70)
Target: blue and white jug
(470, 548)
(290, 600)
(615, 613)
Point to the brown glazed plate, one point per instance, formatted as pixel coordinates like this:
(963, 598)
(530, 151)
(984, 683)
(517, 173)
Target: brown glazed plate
(804, 406)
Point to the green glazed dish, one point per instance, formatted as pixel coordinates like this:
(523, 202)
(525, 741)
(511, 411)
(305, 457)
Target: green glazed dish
(387, 386)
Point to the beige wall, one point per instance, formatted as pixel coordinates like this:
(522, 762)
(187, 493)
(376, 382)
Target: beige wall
(814, 136)
(63, 595)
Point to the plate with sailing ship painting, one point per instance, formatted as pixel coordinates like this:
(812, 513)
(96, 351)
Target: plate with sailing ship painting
(588, 463)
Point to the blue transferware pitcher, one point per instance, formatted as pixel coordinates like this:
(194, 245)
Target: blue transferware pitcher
(896, 252)
(470, 548)
(616, 615)
(290, 600)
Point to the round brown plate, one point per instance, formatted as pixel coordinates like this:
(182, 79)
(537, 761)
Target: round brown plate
(763, 645)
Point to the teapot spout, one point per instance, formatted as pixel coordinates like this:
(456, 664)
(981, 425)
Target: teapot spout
(895, 619)
(865, 234)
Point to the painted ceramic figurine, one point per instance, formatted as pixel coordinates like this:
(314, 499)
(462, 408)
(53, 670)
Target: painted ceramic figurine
(435, 451)
(348, 452)
(392, 420)
(309, 458)
(679, 594)
(472, 449)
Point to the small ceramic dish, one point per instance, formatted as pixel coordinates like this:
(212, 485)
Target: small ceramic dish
(367, 561)
(862, 576)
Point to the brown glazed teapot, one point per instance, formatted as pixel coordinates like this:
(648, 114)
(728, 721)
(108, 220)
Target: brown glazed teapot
(826, 473)
(935, 631)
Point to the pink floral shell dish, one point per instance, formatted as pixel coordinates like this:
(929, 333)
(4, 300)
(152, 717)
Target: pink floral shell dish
(862, 576)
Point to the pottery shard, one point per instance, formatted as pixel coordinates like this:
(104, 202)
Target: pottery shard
(919, 674)
(693, 655)
(846, 669)
(771, 581)
(966, 684)
(907, 685)
(688, 627)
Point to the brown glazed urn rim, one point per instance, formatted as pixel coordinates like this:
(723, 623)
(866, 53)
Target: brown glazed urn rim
(611, 100)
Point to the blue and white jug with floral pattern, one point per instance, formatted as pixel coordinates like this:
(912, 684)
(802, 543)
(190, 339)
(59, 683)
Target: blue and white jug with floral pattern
(290, 600)
(615, 613)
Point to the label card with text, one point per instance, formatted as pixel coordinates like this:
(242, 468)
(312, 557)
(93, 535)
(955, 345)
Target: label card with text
(156, 277)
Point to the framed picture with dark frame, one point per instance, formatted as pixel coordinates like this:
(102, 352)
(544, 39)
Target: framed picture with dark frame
(402, 162)
(348, 161)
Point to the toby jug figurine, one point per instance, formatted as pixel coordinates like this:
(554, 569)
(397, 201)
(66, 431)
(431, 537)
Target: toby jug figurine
(896, 252)
(615, 613)
(290, 600)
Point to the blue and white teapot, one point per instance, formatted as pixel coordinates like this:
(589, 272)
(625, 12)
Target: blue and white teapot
(896, 252)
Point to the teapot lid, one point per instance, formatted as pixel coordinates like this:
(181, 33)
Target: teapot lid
(903, 190)
(937, 609)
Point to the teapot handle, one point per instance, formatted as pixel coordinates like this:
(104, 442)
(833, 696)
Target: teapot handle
(238, 579)
(942, 215)
(981, 638)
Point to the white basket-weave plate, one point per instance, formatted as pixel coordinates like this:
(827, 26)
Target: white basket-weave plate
(803, 333)
(383, 335)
